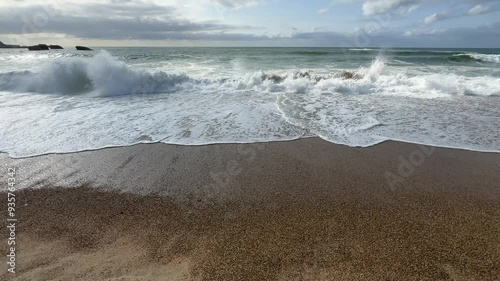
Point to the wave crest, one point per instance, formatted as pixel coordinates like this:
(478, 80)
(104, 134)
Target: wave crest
(477, 57)
(101, 75)
(486, 57)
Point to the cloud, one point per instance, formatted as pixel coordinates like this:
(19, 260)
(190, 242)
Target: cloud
(420, 32)
(152, 22)
(234, 4)
(323, 11)
(479, 10)
(460, 11)
(169, 20)
(376, 7)
(436, 17)
(483, 36)
(123, 8)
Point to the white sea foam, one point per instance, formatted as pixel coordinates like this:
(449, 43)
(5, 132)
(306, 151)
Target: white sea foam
(372, 80)
(362, 49)
(485, 57)
(100, 102)
(101, 75)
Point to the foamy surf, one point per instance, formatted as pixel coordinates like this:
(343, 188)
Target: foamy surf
(101, 75)
(486, 57)
(73, 103)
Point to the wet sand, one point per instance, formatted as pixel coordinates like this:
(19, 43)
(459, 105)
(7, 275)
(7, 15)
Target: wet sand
(301, 210)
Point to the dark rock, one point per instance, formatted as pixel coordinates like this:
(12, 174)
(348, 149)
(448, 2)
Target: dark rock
(273, 77)
(276, 78)
(350, 75)
(81, 48)
(5, 46)
(346, 75)
(300, 74)
(39, 47)
(55, 47)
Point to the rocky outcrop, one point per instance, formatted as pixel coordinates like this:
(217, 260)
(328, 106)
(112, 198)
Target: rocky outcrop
(81, 48)
(350, 75)
(39, 47)
(55, 47)
(5, 46)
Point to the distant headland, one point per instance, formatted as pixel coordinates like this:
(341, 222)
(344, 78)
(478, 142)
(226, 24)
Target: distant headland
(40, 47)
(5, 46)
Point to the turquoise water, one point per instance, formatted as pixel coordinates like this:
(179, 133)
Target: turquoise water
(67, 100)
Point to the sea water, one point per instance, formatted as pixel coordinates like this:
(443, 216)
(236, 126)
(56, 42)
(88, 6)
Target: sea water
(62, 101)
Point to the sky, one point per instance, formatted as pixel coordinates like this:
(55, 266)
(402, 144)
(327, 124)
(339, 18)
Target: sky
(273, 23)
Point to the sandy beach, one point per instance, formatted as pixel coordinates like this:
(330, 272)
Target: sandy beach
(250, 140)
(299, 210)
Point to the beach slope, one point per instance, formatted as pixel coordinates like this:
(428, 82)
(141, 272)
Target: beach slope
(300, 210)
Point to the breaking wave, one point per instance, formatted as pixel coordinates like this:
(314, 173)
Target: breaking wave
(372, 80)
(476, 57)
(353, 106)
(486, 57)
(101, 75)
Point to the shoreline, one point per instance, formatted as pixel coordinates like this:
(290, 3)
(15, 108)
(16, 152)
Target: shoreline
(296, 210)
(126, 167)
(250, 143)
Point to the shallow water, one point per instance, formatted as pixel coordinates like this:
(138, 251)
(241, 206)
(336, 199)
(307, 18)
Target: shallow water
(66, 101)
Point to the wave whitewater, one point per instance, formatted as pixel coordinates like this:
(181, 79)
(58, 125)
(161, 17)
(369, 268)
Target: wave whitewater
(374, 80)
(478, 57)
(102, 75)
(345, 104)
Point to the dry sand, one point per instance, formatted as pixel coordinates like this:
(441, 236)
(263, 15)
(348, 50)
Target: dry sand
(302, 210)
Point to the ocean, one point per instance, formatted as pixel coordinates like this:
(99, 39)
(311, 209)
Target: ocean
(62, 101)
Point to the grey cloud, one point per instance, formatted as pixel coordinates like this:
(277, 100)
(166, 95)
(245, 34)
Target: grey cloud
(376, 7)
(121, 25)
(164, 23)
(123, 8)
(479, 10)
(237, 3)
(436, 17)
(462, 11)
(482, 36)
